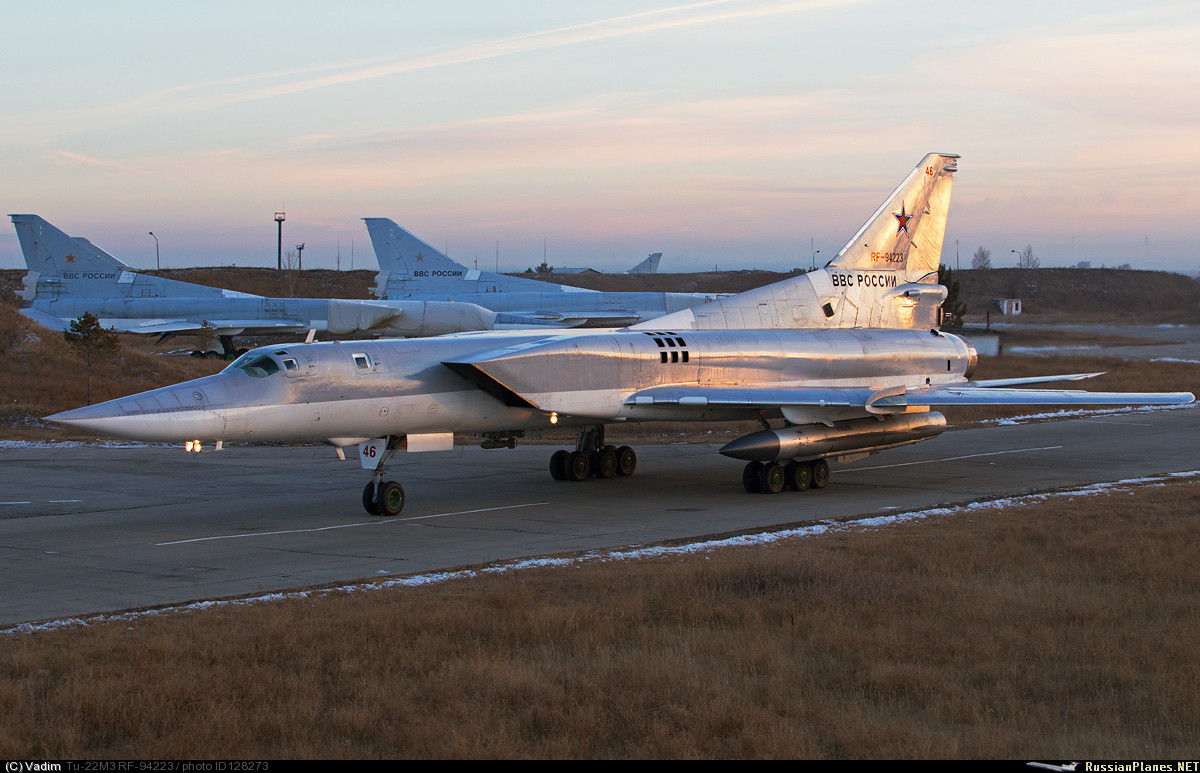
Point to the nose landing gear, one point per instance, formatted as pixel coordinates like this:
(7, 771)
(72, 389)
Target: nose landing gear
(381, 497)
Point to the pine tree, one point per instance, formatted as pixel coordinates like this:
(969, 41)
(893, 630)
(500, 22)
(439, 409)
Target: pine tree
(93, 343)
(953, 309)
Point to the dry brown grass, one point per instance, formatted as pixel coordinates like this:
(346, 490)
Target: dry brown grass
(41, 375)
(1047, 630)
(1038, 336)
(1068, 295)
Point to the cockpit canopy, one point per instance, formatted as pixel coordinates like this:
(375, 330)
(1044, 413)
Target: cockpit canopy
(260, 364)
(257, 365)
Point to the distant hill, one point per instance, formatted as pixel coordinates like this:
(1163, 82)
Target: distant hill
(1084, 294)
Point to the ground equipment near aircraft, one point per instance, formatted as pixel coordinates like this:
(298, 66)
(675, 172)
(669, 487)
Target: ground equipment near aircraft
(413, 270)
(847, 360)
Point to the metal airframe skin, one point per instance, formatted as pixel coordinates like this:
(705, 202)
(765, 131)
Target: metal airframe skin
(410, 387)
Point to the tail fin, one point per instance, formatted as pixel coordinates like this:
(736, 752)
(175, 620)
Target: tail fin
(399, 252)
(50, 251)
(906, 232)
(647, 266)
(62, 266)
(56, 259)
(885, 276)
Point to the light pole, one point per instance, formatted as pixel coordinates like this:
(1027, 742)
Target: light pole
(279, 218)
(157, 263)
(1018, 257)
(814, 259)
(300, 256)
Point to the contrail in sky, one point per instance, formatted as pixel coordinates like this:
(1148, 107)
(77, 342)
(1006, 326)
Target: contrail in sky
(632, 24)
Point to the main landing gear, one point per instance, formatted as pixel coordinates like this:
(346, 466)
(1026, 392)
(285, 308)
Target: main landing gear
(592, 458)
(773, 477)
(383, 497)
(228, 352)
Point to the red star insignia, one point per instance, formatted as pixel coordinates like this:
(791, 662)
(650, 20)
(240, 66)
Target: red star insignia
(70, 258)
(902, 219)
(420, 258)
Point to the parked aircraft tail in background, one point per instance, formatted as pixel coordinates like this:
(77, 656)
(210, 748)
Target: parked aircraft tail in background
(412, 269)
(647, 266)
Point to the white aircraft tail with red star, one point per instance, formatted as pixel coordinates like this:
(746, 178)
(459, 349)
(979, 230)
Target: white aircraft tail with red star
(885, 276)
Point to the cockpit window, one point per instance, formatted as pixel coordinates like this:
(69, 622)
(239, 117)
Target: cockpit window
(290, 364)
(240, 361)
(259, 367)
(362, 360)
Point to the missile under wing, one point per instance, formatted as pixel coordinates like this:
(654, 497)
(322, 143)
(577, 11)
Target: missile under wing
(826, 383)
(412, 269)
(69, 276)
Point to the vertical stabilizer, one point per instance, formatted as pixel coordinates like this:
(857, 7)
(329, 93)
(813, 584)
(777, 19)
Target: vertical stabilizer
(51, 252)
(411, 268)
(401, 253)
(647, 266)
(906, 232)
(62, 267)
(885, 276)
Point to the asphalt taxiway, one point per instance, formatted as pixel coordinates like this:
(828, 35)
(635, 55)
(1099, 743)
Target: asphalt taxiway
(88, 529)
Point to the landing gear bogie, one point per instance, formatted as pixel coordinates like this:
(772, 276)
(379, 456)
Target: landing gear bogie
(592, 458)
(771, 478)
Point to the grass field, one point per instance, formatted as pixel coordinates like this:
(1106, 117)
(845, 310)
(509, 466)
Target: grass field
(1057, 629)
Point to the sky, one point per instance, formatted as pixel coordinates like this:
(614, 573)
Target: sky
(730, 134)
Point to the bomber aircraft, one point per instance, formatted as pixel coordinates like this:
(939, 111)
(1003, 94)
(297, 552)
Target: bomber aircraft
(846, 360)
(411, 270)
(69, 276)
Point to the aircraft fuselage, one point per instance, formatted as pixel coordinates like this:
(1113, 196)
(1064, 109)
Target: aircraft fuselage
(344, 392)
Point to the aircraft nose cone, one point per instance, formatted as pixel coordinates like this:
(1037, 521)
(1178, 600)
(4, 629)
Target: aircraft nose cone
(150, 416)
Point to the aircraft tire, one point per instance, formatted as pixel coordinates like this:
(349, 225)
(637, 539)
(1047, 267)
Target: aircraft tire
(797, 475)
(558, 464)
(369, 503)
(626, 460)
(605, 463)
(391, 498)
(771, 479)
(820, 473)
(579, 467)
(752, 477)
